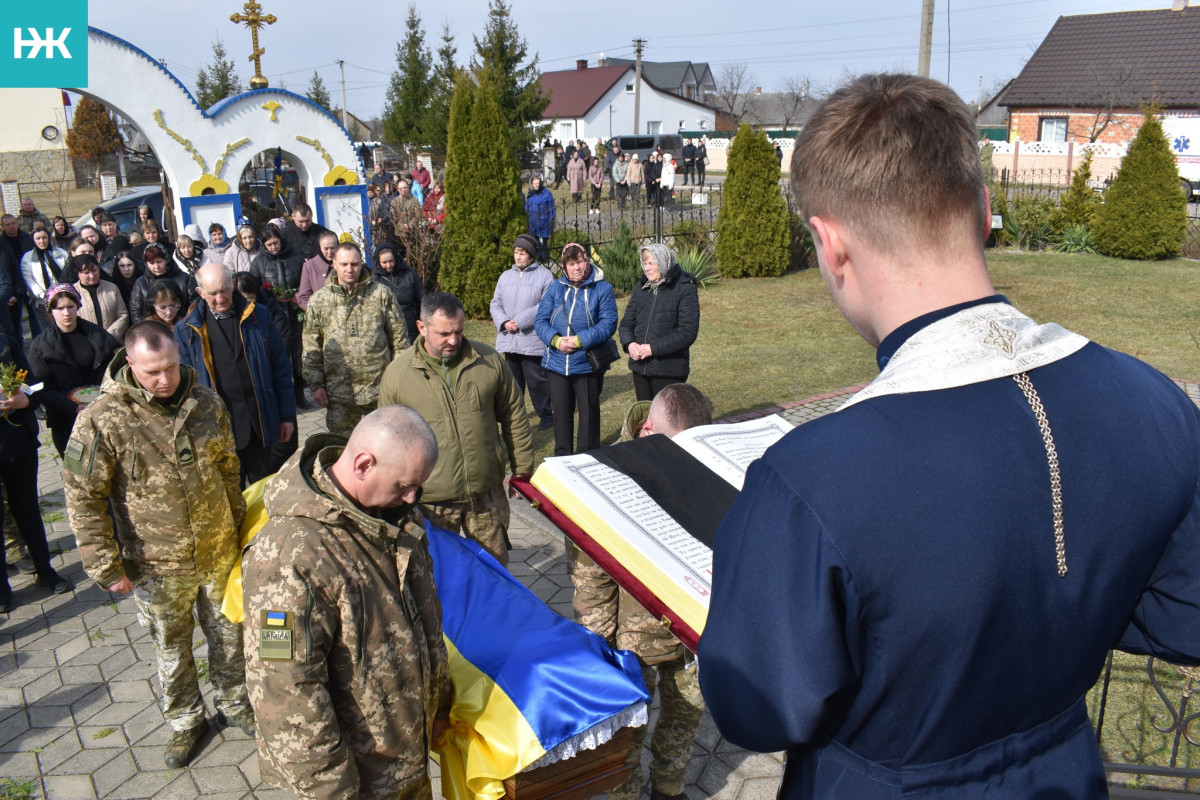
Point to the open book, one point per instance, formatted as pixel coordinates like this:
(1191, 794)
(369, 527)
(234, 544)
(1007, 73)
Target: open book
(646, 510)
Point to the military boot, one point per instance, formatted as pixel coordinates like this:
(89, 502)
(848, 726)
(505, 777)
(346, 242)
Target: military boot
(182, 744)
(243, 719)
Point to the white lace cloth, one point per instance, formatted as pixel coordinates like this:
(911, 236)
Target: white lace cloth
(633, 717)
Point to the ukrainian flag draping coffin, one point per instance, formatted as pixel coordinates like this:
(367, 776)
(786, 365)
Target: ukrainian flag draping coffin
(529, 685)
(526, 680)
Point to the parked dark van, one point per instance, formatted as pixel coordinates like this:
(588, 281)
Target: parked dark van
(124, 207)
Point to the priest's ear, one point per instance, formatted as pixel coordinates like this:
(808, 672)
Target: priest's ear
(829, 244)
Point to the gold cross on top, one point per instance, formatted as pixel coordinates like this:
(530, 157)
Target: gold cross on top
(254, 21)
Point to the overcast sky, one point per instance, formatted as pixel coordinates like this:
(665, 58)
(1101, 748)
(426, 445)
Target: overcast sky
(823, 41)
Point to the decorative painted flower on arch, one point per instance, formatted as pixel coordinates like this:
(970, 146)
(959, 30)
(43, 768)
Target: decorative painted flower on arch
(340, 176)
(208, 184)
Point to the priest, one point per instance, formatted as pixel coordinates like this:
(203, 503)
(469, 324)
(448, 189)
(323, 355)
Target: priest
(912, 596)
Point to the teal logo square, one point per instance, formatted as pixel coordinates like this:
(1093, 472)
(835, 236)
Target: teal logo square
(44, 45)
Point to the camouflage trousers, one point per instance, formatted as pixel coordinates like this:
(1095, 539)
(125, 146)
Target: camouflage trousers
(165, 607)
(681, 708)
(340, 418)
(483, 518)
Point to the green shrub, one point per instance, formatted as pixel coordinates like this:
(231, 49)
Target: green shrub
(801, 250)
(1074, 239)
(484, 214)
(690, 233)
(1000, 206)
(1077, 206)
(752, 226)
(698, 262)
(1144, 215)
(1027, 225)
(620, 259)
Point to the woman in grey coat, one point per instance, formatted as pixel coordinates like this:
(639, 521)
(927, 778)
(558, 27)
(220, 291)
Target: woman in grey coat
(514, 308)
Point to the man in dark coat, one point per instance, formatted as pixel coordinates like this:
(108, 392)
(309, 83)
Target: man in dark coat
(235, 349)
(302, 234)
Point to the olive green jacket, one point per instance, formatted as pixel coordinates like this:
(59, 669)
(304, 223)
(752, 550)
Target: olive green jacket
(485, 411)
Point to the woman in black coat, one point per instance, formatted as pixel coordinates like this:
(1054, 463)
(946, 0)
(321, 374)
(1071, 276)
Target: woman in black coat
(19, 473)
(661, 323)
(67, 355)
(395, 273)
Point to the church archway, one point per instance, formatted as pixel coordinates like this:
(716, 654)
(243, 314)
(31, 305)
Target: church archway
(203, 152)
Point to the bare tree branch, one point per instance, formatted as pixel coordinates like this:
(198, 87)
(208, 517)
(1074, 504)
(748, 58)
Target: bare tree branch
(734, 93)
(796, 91)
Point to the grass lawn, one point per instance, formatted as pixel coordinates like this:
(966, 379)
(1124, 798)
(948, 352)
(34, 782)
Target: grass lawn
(765, 341)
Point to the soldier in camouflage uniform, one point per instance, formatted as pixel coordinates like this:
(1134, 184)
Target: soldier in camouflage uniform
(161, 448)
(352, 330)
(345, 659)
(609, 611)
(29, 215)
(467, 393)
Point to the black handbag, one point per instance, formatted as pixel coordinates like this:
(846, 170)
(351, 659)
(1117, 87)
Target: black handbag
(600, 356)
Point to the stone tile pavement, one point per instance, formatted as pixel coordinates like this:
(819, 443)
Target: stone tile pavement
(79, 716)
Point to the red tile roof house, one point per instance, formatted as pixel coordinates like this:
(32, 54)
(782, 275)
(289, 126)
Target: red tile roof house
(1088, 82)
(597, 102)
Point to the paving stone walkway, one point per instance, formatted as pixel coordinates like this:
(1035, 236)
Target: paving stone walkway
(79, 715)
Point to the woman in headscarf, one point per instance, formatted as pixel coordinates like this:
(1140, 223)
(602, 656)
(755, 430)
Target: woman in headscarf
(42, 267)
(661, 323)
(395, 273)
(218, 244)
(62, 232)
(187, 254)
(126, 270)
(635, 176)
(243, 250)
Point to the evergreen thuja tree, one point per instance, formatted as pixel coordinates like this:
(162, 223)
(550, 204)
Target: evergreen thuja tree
(456, 236)
(1078, 204)
(483, 185)
(318, 93)
(1144, 215)
(218, 80)
(753, 236)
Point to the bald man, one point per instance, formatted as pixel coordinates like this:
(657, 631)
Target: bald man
(235, 349)
(344, 654)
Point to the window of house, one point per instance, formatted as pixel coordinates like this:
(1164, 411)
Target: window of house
(567, 130)
(654, 128)
(629, 88)
(1052, 129)
(682, 124)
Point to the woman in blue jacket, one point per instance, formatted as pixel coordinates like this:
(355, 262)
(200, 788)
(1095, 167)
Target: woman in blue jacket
(540, 208)
(577, 312)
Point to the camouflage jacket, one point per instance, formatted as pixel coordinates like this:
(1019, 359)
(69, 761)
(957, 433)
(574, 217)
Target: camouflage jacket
(345, 661)
(350, 338)
(468, 423)
(26, 221)
(637, 629)
(172, 475)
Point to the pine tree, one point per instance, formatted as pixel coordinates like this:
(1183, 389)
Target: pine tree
(436, 119)
(483, 206)
(1144, 215)
(219, 80)
(318, 93)
(409, 90)
(93, 135)
(500, 55)
(752, 225)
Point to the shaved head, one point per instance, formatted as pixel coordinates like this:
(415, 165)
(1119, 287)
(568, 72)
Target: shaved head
(390, 454)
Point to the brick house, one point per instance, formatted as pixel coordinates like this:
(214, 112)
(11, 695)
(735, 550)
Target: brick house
(1093, 73)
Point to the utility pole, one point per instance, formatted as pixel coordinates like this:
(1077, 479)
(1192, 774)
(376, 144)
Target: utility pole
(342, 66)
(638, 44)
(926, 38)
